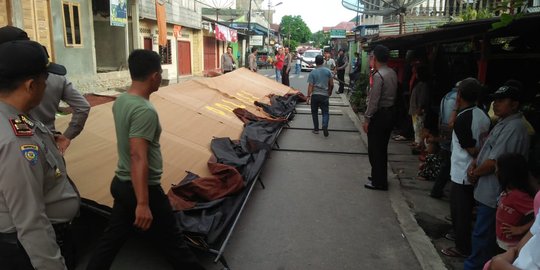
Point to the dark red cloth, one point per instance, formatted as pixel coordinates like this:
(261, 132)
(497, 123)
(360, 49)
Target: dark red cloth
(226, 180)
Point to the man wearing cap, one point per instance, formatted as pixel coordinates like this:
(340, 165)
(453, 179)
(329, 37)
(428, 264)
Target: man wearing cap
(34, 189)
(342, 64)
(509, 135)
(379, 118)
(320, 89)
(58, 88)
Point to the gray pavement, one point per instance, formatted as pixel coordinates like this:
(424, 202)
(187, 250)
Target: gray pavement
(315, 213)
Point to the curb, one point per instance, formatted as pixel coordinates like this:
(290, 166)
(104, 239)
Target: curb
(421, 244)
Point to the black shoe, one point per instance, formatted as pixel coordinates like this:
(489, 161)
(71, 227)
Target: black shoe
(369, 185)
(315, 131)
(325, 131)
(436, 196)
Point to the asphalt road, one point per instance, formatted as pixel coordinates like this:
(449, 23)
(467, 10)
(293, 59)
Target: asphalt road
(314, 213)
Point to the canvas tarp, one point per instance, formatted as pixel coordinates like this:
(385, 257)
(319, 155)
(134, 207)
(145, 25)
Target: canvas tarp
(191, 115)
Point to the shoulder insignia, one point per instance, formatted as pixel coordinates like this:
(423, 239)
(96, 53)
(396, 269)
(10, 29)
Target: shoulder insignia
(30, 153)
(21, 128)
(26, 120)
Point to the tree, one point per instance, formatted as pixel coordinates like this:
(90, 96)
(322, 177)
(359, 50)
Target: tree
(294, 30)
(320, 39)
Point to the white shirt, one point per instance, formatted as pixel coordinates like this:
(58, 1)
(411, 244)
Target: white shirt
(529, 256)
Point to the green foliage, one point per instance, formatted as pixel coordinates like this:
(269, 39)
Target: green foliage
(297, 29)
(508, 8)
(359, 95)
(320, 39)
(472, 14)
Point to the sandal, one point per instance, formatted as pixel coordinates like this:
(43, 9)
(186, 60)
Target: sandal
(453, 252)
(400, 138)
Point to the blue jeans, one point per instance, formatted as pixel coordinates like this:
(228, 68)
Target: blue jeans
(298, 68)
(484, 243)
(320, 101)
(278, 74)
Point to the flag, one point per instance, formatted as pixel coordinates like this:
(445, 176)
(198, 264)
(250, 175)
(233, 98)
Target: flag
(162, 22)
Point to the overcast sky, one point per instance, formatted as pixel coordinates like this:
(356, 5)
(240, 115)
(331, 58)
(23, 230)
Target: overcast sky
(316, 13)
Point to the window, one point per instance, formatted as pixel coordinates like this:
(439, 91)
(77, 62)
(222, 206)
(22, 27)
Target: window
(72, 24)
(165, 53)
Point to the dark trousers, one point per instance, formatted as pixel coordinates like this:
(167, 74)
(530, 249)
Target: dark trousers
(341, 78)
(285, 76)
(380, 128)
(444, 176)
(320, 101)
(461, 207)
(14, 257)
(163, 233)
(484, 240)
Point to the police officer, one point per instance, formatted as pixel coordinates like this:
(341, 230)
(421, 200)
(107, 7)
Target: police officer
(34, 189)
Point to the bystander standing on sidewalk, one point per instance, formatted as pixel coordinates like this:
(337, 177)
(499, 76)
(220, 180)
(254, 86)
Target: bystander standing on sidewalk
(341, 66)
(298, 64)
(287, 63)
(447, 116)
(252, 58)
(379, 118)
(329, 61)
(227, 61)
(508, 136)
(278, 64)
(419, 103)
(470, 128)
(320, 89)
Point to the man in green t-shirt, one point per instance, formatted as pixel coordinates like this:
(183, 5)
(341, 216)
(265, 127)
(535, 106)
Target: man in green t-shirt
(140, 205)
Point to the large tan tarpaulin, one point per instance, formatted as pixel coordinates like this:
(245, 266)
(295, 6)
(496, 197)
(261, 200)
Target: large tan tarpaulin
(191, 115)
(161, 14)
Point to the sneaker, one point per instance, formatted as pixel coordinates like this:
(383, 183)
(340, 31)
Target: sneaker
(325, 131)
(315, 131)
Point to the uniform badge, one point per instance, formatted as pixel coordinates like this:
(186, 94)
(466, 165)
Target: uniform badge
(21, 128)
(27, 121)
(30, 153)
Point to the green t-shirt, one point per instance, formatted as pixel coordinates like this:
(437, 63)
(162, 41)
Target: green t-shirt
(136, 117)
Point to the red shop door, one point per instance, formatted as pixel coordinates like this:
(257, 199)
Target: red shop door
(148, 44)
(210, 54)
(184, 58)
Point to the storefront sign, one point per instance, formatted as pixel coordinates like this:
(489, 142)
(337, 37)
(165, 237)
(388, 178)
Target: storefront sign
(118, 13)
(256, 40)
(337, 33)
(369, 30)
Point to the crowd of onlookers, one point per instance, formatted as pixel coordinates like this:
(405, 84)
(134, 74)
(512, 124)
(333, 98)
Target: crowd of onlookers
(481, 145)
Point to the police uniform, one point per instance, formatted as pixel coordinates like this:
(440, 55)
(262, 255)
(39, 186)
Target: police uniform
(35, 192)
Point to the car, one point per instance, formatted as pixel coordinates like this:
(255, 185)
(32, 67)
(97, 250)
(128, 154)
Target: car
(308, 59)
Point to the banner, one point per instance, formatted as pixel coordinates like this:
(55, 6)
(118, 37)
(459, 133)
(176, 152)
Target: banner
(225, 33)
(177, 31)
(162, 22)
(118, 13)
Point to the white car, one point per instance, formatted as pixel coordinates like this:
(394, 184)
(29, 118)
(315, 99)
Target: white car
(308, 59)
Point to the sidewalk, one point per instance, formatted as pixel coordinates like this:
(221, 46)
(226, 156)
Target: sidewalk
(422, 217)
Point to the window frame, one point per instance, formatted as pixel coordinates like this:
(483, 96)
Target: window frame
(168, 56)
(72, 42)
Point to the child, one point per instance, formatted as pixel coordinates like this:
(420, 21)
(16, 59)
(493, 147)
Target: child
(431, 168)
(515, 214)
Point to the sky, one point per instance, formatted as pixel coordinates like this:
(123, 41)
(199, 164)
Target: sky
(316, 13)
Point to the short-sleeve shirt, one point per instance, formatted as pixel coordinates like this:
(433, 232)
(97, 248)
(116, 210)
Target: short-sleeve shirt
(319, 77)
(136, 117)
(330, 64)
(470, 129)
(529, 257)
(512, 209)
(508, 136)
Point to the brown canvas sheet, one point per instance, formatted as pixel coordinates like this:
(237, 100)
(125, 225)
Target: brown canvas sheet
(191, 114)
